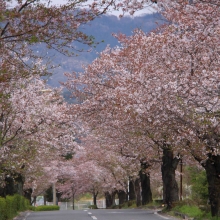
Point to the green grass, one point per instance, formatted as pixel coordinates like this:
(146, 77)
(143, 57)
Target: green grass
(191, 211)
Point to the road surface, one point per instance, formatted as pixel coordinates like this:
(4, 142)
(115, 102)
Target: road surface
(100, 214)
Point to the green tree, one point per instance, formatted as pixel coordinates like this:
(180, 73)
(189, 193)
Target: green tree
(199, 184)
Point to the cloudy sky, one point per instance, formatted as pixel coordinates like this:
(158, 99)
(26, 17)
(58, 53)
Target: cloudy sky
(147, 10)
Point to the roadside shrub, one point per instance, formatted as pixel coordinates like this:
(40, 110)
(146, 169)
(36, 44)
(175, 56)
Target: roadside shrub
(22, 203)
(11, 205)
(191, 211)
(199, 185)
(32, 208)
(93, 207)
(2, 209)
(47, 208)
(131, 203)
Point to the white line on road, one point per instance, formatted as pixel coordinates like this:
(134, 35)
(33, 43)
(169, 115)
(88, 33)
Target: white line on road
(89, 213)
(160, 215)
(115, 212)
(27, 215)
(93, 217)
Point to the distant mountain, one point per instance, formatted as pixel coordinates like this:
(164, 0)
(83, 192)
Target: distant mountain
(102, 29)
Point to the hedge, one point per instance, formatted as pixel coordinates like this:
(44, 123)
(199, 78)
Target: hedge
(11, 205)
(47, 208)
(2, 209)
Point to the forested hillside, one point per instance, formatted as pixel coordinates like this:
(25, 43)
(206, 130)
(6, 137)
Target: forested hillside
(102, 29)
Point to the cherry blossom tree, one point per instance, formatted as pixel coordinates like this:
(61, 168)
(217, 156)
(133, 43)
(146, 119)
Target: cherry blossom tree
(36, 129)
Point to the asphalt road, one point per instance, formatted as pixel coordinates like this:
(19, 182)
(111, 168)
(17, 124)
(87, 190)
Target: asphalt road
(105, 214)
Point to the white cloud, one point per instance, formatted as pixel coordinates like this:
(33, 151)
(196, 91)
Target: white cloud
(147, 10)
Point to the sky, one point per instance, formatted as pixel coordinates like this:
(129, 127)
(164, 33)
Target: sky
(147, 10)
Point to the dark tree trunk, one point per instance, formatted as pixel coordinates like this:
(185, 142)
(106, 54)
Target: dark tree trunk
(73, 196)
(73, 202)
(27, 194)
(212, 167)
(58, 194)
(113, 198)
(170, 186)
(122, 196)
(146, 193)
(45, 200)
(108, 199)
(34, 200)
(9, 186)
(95, 194)
(13, 185)
(131, 193)
(137, 192)
(18, 184)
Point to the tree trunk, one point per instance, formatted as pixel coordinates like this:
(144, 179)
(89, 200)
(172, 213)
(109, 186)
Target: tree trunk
(95, 198)
(27, 194)
(18, 184)
(131, 193)
(137, 192)
(113, 198)
(9, 186)
(146, 193)
(73, 202)
(34, 201)
(73, 196)
(108, 199)
(45, 200)
(122, 196)
(170, 186)
(212, 167)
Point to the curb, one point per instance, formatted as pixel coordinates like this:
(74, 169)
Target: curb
(22, 216)
(164, 215)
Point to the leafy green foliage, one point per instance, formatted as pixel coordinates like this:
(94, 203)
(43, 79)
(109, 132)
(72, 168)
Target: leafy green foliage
(199, 184)
(11, 205)
(47, 208)
(191, 211)
(2, 209)
(32, 208)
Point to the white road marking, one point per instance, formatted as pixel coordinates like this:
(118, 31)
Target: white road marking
(115, 212)
(27, 215)
(89, 213)
(93, 217)
(160, 215)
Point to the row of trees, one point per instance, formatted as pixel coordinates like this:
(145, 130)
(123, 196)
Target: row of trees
(153, 100)
(37, 130)
(156, 97)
